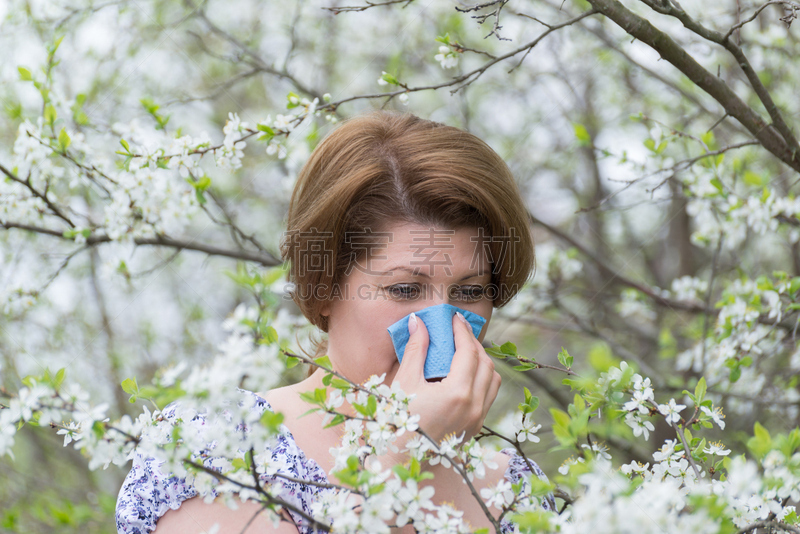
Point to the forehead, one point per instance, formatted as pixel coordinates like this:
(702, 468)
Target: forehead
(425, 246)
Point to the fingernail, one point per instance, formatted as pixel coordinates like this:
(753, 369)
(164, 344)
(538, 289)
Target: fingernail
(412, 323)
(463, 320)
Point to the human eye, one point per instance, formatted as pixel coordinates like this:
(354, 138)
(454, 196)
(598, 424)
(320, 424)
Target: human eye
(403, 291)
(469, 293)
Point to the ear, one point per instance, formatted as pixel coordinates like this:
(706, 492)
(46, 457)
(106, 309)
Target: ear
(325, 311)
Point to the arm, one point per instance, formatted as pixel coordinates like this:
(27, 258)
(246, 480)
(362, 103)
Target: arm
(195, 516)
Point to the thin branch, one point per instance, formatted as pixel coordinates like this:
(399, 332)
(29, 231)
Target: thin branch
(256, 60)
(263, 258)
(463, 80)
(27, 183)
(792, 5)
(270, 499)
(482, 18)
(686, 447)
(222, 88)
(613, 273)
(769, 524)
(344, 9)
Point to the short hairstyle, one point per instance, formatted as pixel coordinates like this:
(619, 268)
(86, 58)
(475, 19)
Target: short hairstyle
(384, 168)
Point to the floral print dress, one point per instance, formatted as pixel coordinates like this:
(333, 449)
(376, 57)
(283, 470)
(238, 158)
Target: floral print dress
(148, 493)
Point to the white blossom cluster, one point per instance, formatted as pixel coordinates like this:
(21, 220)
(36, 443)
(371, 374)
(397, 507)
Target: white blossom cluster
(745, 338)
(718, 213)
(677, 491)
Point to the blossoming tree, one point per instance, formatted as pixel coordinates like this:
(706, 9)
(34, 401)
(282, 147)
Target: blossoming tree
(150, 150)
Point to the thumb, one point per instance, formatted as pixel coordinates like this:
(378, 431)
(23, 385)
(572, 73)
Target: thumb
(416, 349)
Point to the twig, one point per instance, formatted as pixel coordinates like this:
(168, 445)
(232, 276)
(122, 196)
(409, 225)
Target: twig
(771, 524)
(686, 447)
(482, 18)
(792, 5)
(343, 9)
(263, 258)
(36, 193)
(270, 499)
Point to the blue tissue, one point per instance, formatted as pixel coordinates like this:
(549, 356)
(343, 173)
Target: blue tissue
(441, 345)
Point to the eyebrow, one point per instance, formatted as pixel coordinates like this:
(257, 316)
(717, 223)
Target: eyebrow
(416, 272)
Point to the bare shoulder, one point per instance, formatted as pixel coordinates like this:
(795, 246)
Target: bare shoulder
(194, 515)
(280, 398)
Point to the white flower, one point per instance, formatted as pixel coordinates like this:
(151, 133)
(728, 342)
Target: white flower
(667, 450)
(717, 449)
(599, 449)
(569, 462)
(411, 501)
(498, 496)
(381, 81)
(639, 425)
(671, 411)
(634, 467)
(640, 398)
(525, 429)
(403, 99)
(716, 415)
(447, 57)
(447, 450)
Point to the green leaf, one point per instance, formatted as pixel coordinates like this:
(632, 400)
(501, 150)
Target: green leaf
(508, 348)
(751, 178)
(266, 129)
(338, 419)
(761, 442)
(444, 39)
(24, 74)
(125, 145)
(270, 335)
(130, 386)
(564, 358)
(63, 139)
(59, 379)
(50, 114)
(582, 134)
(709, 140)
(324, 362)
(700, 390)
(530, 404)
(389, 78)
(736, 373)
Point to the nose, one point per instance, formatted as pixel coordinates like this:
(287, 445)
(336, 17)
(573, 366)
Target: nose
(438, 294)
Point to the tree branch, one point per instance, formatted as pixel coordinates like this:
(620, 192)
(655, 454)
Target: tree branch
(38, 194)
(669, 50)
(263, 258)
(744, 63)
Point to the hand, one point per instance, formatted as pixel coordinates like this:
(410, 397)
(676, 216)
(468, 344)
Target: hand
(459, 402)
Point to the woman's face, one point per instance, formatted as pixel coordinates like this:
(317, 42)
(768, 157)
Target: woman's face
(419, 266)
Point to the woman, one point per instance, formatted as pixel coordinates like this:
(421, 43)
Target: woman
(390, 215)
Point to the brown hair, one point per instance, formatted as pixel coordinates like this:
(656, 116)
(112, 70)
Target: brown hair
(384, 168)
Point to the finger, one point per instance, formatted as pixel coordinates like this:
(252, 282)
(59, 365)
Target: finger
(413, 363)
(491, 395)
(483, 355)
(465, 359)
(482, 382)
